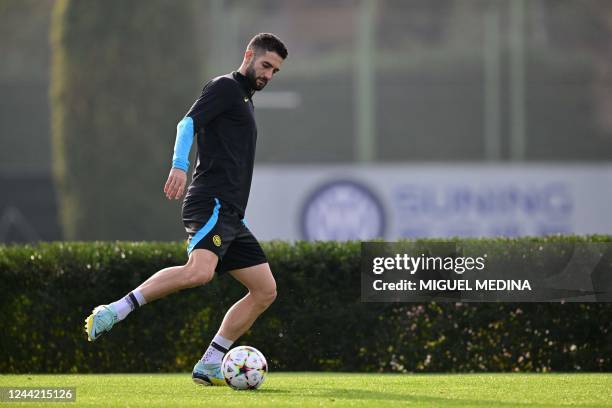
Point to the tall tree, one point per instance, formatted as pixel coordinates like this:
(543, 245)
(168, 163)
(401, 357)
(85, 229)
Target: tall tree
(123, 74)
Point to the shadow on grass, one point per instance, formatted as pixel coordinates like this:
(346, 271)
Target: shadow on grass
(365, 395)
(271, 391)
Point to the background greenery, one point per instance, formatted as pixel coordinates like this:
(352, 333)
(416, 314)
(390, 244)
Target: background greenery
(316, 323)
(122, 75)
(117, 69)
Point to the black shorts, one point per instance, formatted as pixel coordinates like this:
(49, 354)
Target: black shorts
(219, 228)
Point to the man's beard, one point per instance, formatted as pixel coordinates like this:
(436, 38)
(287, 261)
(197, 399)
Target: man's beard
(251, 76)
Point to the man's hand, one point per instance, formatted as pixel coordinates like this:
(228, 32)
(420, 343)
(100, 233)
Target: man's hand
(176, 184)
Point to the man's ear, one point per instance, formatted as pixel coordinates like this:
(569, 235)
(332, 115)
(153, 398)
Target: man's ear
(248, 56)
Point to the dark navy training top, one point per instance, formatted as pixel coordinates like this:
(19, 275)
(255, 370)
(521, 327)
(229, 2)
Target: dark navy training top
(225, 129)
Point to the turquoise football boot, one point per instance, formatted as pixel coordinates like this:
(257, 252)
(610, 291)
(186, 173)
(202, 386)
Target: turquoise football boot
(207, 374)
(99, 321)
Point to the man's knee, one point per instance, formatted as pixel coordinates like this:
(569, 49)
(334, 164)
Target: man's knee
(200, 268)
(197, 275)
(266, 296)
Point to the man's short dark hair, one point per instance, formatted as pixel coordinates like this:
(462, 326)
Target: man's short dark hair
(268, 42)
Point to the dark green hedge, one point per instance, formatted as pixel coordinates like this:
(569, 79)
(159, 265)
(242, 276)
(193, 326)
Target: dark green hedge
(317, 322)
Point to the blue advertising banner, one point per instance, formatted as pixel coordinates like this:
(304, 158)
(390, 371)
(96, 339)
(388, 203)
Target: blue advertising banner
(429, 200)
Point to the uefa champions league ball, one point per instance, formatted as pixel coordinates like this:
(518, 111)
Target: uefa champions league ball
(244, 368)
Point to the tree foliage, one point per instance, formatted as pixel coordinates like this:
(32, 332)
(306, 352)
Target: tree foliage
(123, 74)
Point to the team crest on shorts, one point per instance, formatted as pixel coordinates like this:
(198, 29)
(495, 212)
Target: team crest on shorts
(217, 240)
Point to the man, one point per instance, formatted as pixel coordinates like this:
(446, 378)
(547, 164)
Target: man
(223, 121)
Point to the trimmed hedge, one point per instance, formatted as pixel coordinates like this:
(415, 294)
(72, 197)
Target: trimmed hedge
(316, 323)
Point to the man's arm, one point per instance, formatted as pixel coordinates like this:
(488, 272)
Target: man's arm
(180, 160)
(182, 145)
(215, 98)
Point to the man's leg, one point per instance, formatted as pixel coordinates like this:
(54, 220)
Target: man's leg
(238, 319)
(262, 292)
(198, 270)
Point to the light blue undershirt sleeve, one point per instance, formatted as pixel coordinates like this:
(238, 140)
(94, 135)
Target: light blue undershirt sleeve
(182, 145)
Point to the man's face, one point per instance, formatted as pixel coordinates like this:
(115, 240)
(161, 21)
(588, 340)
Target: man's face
(262, 68)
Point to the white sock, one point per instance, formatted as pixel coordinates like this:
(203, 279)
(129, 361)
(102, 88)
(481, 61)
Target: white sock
(129, 302)
(217, 349)
(139, 297)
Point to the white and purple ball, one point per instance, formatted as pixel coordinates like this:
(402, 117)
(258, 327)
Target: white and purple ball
(244, 368)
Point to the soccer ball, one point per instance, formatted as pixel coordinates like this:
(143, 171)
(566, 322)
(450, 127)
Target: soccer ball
(244, 368)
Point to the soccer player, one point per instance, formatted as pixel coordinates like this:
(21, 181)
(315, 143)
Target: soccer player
(223, 121)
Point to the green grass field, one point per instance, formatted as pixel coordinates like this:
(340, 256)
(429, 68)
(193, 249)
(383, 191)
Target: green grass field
(334, 390)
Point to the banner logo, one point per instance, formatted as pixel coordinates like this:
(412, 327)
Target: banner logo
(342, 210)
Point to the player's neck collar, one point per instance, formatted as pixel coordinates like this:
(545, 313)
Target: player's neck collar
(244, 82)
